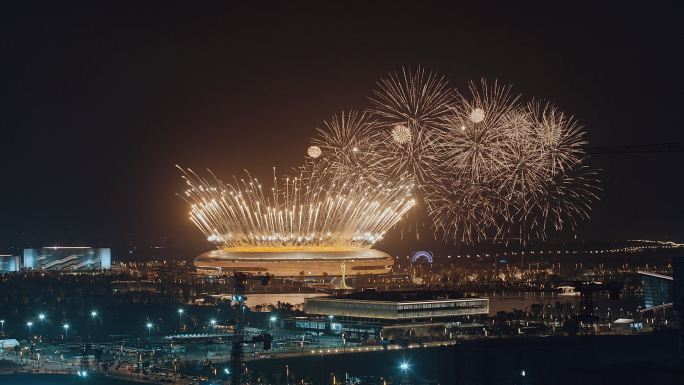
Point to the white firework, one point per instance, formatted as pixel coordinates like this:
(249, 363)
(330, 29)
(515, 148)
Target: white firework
(477, 115)
(418, 102)
(485, 165)
(349, 145)
(401, 134)
(314, 151)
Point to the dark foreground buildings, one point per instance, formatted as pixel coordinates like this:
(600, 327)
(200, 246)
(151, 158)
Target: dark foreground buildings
(598, 360)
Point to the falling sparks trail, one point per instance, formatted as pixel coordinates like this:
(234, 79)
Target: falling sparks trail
(309, 212)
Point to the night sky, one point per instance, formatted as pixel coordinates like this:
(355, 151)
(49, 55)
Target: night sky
(100, 99)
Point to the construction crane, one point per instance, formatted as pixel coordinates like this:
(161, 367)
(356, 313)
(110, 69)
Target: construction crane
(586, 291)
(237, 355)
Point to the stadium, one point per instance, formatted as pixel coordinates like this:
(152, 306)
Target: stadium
(294, 263)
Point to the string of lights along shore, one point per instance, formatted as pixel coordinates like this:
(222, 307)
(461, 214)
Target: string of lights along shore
(486, 165)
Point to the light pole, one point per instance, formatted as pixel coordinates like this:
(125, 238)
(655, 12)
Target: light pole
(3, 326)
(213, 324)
(149, 331)
(287, 374)
(331, 334)
(180, 319)
(66, 333)
(404, 367)
(273, 320)
(29, 325)
(93, 314)
(41, 316)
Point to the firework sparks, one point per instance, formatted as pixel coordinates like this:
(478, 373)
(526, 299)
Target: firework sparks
(506, 167)
(349, 146)
(417, 102)
(304, 214)
(401, 134)
(314, 151)
(486, 166)
(477, 115)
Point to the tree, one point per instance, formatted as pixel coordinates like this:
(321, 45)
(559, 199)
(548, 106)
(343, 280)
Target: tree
(277, 375)
(432, 330)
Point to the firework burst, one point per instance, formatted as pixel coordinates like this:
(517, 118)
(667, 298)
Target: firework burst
(303, 214)
(349, 147)
(409, 107)
(507, 170)
(314, 151)
(401, 134)
(485, 165)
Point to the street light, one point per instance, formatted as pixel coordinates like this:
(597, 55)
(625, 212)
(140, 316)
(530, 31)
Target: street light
(180, 319)
(404, 367)
(331, 329)
(66, 333)
(41, 316)
(93, 314)
(29, 325)
(149, 331)
(3, 326)
(273, 320)
(213, 323)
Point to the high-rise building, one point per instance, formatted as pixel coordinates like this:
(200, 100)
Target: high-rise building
(657, 289)
(62, 258)
(9, 264)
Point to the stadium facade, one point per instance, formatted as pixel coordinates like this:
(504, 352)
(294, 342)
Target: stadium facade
(67, 258)
(295, 263)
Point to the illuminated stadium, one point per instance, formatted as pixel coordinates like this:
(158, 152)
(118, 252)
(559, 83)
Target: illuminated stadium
(307, 227)
(293, 263)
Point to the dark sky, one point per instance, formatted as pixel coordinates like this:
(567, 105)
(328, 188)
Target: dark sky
(100, 99)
